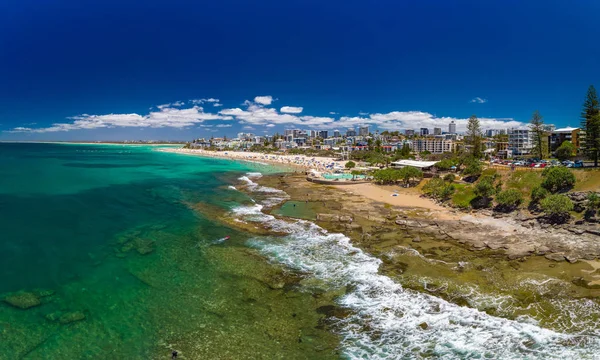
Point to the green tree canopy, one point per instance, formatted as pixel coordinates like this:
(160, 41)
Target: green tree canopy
(536, 126)
(485, 187)
(558, 179)
(473, 137)
(509, 199)
(538, 193)
(350, 165)
(565, 151)
(557, 207)
(408, 173)
(590, 124)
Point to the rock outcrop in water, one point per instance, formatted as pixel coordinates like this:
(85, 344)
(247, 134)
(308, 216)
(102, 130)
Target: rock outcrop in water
(23, 300)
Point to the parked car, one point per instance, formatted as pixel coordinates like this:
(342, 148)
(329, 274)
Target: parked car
(578, 164)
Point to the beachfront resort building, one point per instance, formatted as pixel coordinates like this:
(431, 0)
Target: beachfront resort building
(520, 141)
(323, 134)
(424, 131)
(433, 145)
(350, 132)
(409, 132)
(437, 131)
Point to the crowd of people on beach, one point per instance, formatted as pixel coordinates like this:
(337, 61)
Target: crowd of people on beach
(322, 164)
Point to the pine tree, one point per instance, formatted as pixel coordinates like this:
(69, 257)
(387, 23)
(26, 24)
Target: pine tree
(536, 126)
(590, 125)
(474, 136)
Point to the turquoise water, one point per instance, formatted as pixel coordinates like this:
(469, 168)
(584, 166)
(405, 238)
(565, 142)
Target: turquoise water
(109, 240)
(342, 176)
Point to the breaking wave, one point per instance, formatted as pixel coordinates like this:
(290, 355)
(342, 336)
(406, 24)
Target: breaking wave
(390, 322)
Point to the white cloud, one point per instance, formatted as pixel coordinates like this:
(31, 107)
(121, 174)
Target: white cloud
(478, 100)
(257, 113)
(202, 101)
(332, 113)
(291, 109)
(247, 127)
(363, 113)
(164, 117)
(217, 104)
(264, 100)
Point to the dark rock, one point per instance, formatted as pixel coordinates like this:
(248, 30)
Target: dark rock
(555, 256)
(22, 300)
(417, 239)
(424, 326)
(144, 246)
(71, 317)
(575, 230)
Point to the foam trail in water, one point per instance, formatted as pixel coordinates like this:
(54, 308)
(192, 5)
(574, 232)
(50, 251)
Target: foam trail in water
(390, 322)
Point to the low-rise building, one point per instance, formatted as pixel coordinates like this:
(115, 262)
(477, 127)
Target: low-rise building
(433, 145)
(558, 136)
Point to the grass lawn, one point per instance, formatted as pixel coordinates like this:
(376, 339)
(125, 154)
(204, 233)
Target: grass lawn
(524, 181)
(463, 194)
(587, 179)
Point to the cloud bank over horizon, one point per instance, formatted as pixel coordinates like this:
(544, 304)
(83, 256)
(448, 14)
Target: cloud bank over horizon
(259, 113)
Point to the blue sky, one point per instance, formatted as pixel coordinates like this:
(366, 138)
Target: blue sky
(100, 70)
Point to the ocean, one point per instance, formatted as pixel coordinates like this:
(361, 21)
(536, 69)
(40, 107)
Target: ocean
(117, 251)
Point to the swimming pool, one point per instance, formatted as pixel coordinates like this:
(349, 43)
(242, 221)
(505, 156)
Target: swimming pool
(342, 176)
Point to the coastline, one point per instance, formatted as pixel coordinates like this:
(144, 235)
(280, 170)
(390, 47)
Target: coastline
(297, 161)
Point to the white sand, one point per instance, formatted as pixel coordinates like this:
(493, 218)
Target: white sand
(303, 161)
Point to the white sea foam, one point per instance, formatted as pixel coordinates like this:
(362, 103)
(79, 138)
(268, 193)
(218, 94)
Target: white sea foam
(388, 321)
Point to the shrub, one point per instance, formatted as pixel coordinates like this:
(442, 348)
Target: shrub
(485, 187)
(449, 178)
(538, 193)
(557, 207)
(350, 165)
(509, 200)
(445, 164)
(593, 201)
(557, 179)
(438, 189)
(472, 168)
(565, 150)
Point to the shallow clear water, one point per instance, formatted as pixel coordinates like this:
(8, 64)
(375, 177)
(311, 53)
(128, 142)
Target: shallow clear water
(112, 233)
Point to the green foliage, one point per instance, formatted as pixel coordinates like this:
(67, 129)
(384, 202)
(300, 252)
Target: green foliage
(390, 176)
(593, 201)
(408, 173)
(463, 196)
(565, 150)
(509, 199)
(438, 189)
(557, 206)
(446, 164)
(387, 176)
(558, 179)
(536, 126)
(473, 167)
(485, 187)
(350, 165)
(449, 177)
(590, 124)
(538, 193)
(473, 137)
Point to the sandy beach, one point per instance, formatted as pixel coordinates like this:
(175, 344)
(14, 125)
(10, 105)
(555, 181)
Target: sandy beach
(392, 195)
(301, 161)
